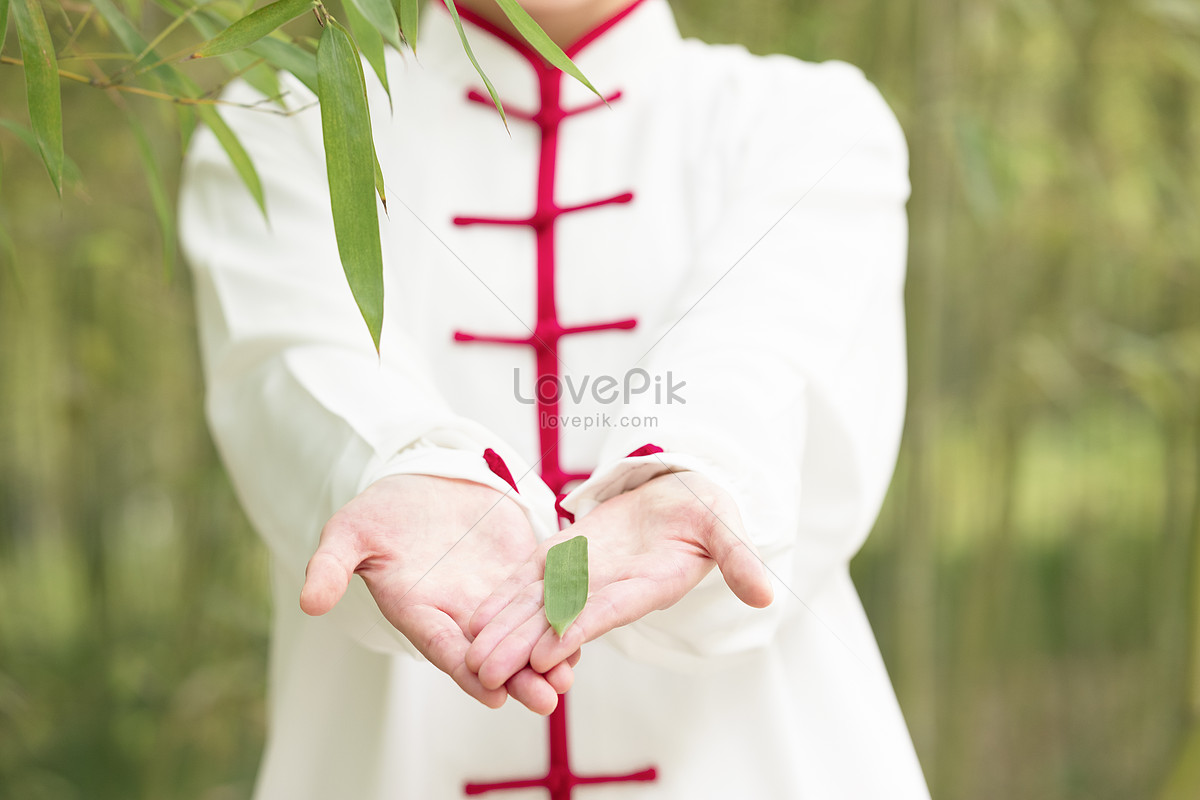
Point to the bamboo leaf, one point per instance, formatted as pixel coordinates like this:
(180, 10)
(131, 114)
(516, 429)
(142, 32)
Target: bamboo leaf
(172, 80)
(158, 194)
(350, 166)
(379, 187)
(278, 52)
(565, 589)
(41, 86)
(289, 56)
(130, 39)
(186, 117)
(246, 64)
(381, 15)
(264, 79)
(178, 83)
(134, 9)
(252, 27)
(408, 11)
(462, 35)
(170, 7)
(237, 154)
(162, 35)
(3, 22)
(370, 43)
(533, 33)
(72, 176)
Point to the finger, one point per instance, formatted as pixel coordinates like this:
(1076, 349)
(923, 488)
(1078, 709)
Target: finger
(512, 653)
(561, 677)
(527, 573)
(739, 562)
(435, 634)
(573, 659)
(611, 607)
(533, 691)
(330, 569)
(519, 610)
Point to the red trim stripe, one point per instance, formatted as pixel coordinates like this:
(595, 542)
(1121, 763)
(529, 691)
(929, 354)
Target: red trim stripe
(560, 778)
(521, 46)
(499, 468)
(598, 31)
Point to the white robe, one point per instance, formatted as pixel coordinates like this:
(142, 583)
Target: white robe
(762, 256)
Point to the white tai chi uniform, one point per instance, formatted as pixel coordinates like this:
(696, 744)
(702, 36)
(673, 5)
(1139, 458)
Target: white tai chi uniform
(727, 241)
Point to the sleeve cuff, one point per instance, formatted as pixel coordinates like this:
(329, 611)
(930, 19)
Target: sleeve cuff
(642, 465)
(446, 453)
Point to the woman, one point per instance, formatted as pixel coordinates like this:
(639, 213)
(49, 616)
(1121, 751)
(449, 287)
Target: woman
(690, 292)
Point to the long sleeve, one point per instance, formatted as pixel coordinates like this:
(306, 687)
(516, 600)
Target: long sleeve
(789, 338)
(304, 413)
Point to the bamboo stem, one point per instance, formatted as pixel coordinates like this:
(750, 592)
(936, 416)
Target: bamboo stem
(170, 98)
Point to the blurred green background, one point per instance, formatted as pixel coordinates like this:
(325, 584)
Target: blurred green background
(1034, 579)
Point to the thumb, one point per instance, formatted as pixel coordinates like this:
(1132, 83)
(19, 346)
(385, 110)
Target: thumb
(329, 572)
(739, 562)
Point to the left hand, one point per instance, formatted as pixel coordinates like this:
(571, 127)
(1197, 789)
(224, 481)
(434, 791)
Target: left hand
(430, 549)
(647, 548)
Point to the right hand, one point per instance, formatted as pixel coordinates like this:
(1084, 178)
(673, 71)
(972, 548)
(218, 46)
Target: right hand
(431, 550)
(648, 547)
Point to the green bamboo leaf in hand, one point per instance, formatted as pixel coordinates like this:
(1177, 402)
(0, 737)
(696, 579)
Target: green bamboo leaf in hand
(350, 164)
(249, 29)
(533, 33)
(566, 582)
(41, 86)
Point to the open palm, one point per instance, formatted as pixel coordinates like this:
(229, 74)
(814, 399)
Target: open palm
(647, 548)
(431, 550)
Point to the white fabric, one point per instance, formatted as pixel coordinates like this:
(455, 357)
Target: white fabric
(791, 346)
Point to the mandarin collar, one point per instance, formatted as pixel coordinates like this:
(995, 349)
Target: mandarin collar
(616, 54)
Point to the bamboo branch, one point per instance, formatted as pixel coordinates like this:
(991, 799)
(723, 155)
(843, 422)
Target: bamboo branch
(87, 17)
(164, 96)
